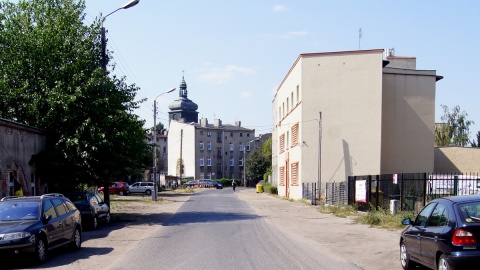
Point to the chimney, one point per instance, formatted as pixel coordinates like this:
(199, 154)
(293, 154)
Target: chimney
(204, 122)
(218, 123)
(238, 123)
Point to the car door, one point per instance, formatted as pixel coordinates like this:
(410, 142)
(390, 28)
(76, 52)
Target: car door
(135, 188)
(434, 234)
(414, 233)
(66, 218)
(54, 226)
(100, 206)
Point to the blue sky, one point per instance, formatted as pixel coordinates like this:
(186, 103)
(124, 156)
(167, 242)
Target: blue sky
(234, 54)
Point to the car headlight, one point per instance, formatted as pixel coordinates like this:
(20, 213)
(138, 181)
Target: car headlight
(14, 236)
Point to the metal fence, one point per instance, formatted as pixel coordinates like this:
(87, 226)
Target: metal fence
(309, 192)
(408, 191)
(336, 193)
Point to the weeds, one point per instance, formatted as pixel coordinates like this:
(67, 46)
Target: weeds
(339, 210)
(382, 218)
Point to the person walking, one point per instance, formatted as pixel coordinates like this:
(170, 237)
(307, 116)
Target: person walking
(234, 185)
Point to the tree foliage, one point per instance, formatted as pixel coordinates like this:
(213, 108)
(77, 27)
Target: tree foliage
(454, 131)
(259, 161)
(51, 78)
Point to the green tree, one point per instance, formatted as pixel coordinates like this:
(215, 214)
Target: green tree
(51, 78)
(257, 165)
(160, 126)
(455, 128)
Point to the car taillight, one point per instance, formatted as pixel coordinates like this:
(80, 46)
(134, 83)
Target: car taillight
(463, 237)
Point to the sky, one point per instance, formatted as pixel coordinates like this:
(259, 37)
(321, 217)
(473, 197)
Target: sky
(234, 54)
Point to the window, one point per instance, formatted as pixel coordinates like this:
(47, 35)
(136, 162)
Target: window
(201, 145)
(295, 135)
(209, 161)
(240, 147)
(202, 175)
(231, 134)
(241, 134)
(279, 113)
(422, 217)
(247, 147)
(201, 132)
(282, 143)
(48, 209)
(219, 151)
(295, 174)
(164, 150)
(209, 146)
(209, 133)
(298, 94)
(232, 147)
(288, 107)
(291, 99)
(282, 176)
(240, 162)
(201, 161)
(439, 216)
(248, 134)
(232, 162)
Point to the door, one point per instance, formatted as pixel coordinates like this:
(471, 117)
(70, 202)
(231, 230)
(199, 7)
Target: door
(66, 218)
(434, 234)
(54, 227)
(413, 234)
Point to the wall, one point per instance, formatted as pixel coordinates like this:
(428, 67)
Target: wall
(18, 143)
(457, 159)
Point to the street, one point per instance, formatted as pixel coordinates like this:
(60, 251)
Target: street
(219, 229)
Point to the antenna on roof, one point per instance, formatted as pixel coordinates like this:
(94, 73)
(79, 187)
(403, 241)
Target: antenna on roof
(359, 38)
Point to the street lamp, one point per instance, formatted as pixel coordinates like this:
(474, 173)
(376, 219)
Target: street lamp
(104, 67)
(245, 163)
(155, 188)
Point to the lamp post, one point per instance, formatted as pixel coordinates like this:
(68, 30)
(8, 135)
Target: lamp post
(245, 163)
(155, 187)
(130, 4)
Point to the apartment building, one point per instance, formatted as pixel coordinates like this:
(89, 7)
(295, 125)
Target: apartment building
(208, 151)
(338, 114)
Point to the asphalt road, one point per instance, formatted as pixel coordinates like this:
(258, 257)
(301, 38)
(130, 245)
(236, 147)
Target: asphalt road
(214, 229)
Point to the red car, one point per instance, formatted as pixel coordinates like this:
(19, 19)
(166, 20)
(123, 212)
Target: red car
(120, 188)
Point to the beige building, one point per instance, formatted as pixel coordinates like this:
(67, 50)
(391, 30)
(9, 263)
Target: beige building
(208, 151)
(339, 114)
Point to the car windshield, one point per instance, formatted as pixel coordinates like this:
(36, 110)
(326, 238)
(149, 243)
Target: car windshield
(470, 211)
(19, 210)
(78, 198)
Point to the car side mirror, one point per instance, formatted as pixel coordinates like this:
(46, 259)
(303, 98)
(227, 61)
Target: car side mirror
(47, 218)
(406, 221)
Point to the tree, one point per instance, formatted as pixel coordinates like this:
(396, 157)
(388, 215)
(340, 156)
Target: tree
(257, 165)
(51, 78)
(160, 126)
(455, 128)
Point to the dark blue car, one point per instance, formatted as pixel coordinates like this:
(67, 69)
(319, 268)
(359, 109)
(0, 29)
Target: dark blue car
(444, 235)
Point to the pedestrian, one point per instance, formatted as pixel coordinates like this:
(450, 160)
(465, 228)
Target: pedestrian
(234, 185)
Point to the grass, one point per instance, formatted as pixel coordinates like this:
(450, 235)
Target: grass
(375, 217)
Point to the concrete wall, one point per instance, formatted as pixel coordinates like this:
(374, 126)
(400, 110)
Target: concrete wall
(18, 144)
(408, 118)
(457, 159)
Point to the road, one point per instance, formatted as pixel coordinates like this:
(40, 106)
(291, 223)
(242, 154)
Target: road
(220, 229)
(216, 230)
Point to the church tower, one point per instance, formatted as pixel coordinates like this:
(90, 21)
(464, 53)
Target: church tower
(183, 109)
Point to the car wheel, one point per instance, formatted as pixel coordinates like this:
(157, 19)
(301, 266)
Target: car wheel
(407, 264)
(94, 224)
(120, 193)
(77, 239)
(108, 218)
(148, 192)
(40, 250)
(100, 192)
(442, 263)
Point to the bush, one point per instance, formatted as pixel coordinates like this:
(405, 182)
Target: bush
(270, 189)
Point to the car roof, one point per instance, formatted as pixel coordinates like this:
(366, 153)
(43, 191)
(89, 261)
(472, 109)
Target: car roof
(462, 199)
(32, 198)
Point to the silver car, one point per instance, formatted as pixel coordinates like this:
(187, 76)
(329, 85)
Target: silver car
(142, 187)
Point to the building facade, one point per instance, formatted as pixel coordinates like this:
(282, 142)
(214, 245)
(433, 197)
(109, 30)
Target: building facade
(339, 114)
(18, 146)
(208, 151)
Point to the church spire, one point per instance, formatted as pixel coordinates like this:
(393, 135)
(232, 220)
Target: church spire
(183, 88)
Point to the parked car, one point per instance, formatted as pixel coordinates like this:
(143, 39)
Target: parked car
(142, 187)
(37, 224)
(444, 235)
(217, 184)
(92, 208)
(191, 184)
(120, 188)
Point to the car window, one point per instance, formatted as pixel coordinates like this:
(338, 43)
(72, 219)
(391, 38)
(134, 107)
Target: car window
(136, 184)
(439, 216)
(422, 217)
(19, 210)
(48, 209)
(93, 200)
(71, 207)
(470, 212)
(99, 200)
(144, 184)
(60, 206)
